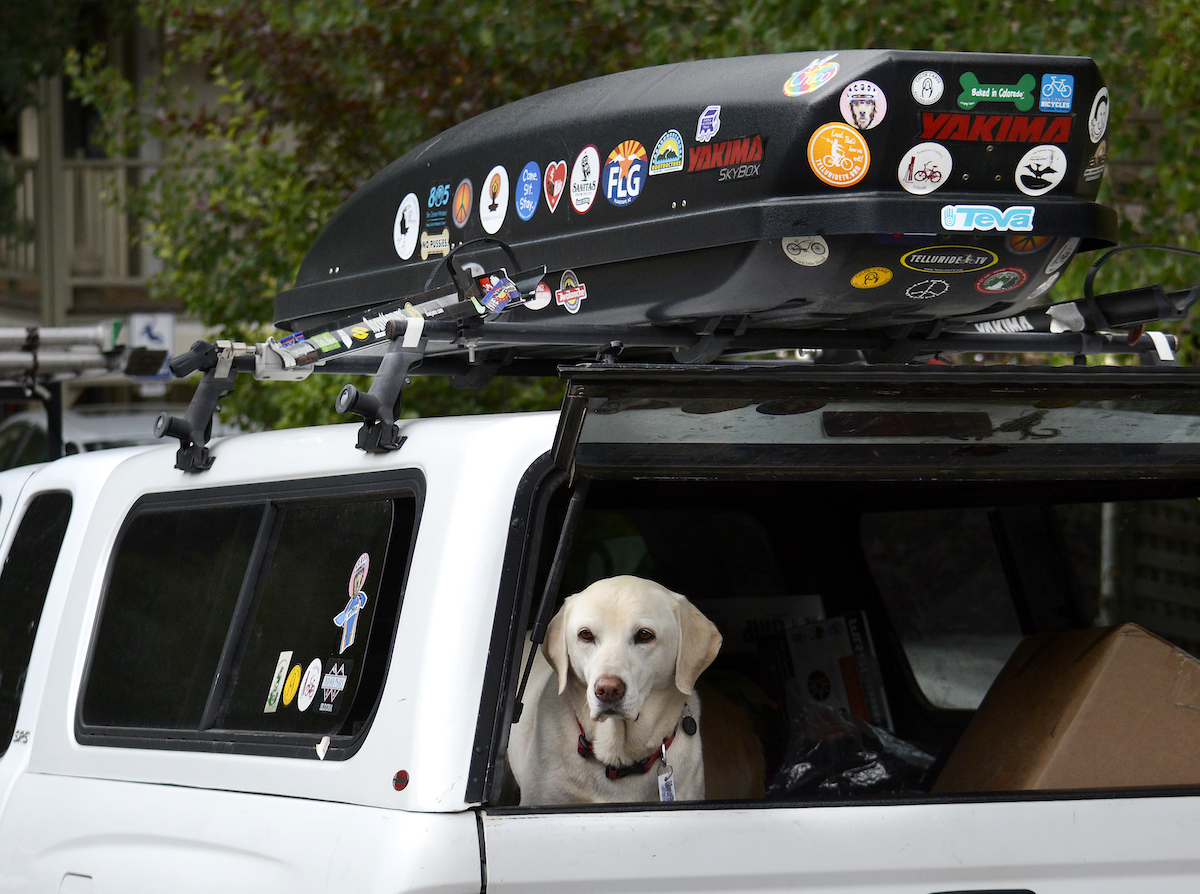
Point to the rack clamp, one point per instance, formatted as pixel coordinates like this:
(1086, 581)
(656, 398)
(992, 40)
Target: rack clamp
(194, 428)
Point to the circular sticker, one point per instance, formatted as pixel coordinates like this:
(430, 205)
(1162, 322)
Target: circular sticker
(1040, 170)
(493, 200)
(838, 155)
(309, 685)
(926, 289)
(1003, 280)
(528, 191)
(1098, 117)
(924, 168)
(863, 104)
(404, 230)
(816, 74)
(462, 203)
(585, 179)
(292, 684)
(927, 87)
(1063, 255)
(625, 173)
(358, 577)
(571, 292)
(871, 278)
(541, 297)
(1025, 243)
(807, 251)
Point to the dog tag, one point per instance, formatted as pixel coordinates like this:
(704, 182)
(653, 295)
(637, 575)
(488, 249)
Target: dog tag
(666, 786)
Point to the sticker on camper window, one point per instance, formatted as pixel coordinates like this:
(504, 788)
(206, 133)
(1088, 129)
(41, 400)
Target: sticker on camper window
(554, 183)
(813, 76)
(1040, 170)
(667, 157)
(463, 196)
(838, 155)
(1098, 117)
(863, 104)
(924, 168)
(529, 190)
(871, 278)
(358, 574)
(276, 690)
(1003, 280)
(571, 292)
(493, 203)
(625, 173)
(807, 251)
(406, 227)
(292, 686)
(333, 685)
(309, 685)
(927, 87)
(585, 179)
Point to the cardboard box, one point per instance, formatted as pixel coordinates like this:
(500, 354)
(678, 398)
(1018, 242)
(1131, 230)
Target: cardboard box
(1100, 708)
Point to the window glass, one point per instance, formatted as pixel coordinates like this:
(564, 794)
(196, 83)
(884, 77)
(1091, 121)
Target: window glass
(174, 585)
(10, 442)
(34, 448)
(23, 587)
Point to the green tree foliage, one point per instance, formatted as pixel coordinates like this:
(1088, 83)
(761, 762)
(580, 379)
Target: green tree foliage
(318, 95)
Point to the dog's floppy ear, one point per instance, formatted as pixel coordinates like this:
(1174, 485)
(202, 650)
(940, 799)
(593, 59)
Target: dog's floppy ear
(555, 647)
(699, 641)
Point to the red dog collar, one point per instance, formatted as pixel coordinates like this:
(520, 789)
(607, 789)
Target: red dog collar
(586, 751)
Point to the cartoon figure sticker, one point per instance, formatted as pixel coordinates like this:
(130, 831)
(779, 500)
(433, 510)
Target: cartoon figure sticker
(625, 173)
(667, 157)
(871, 278)
(493, 203)
(1057, 92)
(585, 179)
(924, 168)
(1098, 117)
(863, 104)
(1003, 280)
(807, 251)
(499, 293)
(555, 182)
(529, 190)
(358, 575)
(276, 690)
(838, 155)
(571, 292)
(408, 223)
(813, 76)
(708, 124)
(461, 209)
(309, 685)
(347, 619)
(927, 87)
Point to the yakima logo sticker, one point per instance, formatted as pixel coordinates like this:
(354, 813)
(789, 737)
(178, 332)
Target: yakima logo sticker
(995, 128)
(571, 292)
(743, 151)
(987, 217)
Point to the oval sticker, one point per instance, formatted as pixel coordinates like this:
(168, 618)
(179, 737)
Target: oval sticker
(871, 278)
(949, 259)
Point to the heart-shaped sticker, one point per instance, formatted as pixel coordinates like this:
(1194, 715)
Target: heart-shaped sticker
(555, 180)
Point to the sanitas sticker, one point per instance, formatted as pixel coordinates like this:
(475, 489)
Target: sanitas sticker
(585, 179)
(838, 155)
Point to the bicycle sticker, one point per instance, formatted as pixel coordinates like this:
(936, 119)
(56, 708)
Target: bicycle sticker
(924, 168)
(838, 155)
(1040, 170)
(1057, 92)
(807, 251)
(863, 104)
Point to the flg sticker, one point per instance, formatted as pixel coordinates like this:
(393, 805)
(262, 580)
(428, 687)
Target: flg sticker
(1057, 92)
(871, 278)
(708, 124)
(1019, 94)
(1040, 170)
(462, 203)
(1026, 243)
(554, 183)
(406, 227)
(1095, 164)
(995, 128)
(625, 173)
(585, 179)
(949, 259)
(309, 685)
(435, 243)
(927, 87)
(863, 104)
(571, 292)
(333, 685)
(1063, 255)
(529, 190)
(807, 251)
(1003, 280)
(1017, 218)
(1098, 117)
(816, 74)
(493, 203)
(276, 691)
(667, 157)
(838, 155)
(924, 168)
(927, 289)
(541, 297)
(292, 686)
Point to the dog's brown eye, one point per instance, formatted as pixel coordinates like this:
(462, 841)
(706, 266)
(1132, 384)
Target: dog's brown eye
(644, 636)
(586, 635)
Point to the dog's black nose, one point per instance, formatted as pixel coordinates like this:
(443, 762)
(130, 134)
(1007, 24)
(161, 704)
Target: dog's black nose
(610, 689)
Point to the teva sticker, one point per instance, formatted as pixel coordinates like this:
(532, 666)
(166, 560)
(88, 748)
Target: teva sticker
(435, 243)
(499, 292)
(927, 87)
(493, 203)
(816, 74)
(571, 292)
(871, 278)
(958, 126)
(927, 289)
(406, 227)
(541, 297)
(554, 183)
(1040, 170)
(292, 686)
(667, 157)
(437, 205)
(1057, 91)
(625, 173)
(462, 203)
(1063, 255)
(708, 124)
(585, 179)
(949, 259)
(1003, 280)
(924, 168)
(733, 159)
(1095, 164)
(333, 685)
(358, 574)
(863, 104)
(807, 251)
(1019, 94)
(987, 217)
(1025, 243)
(838, 155)
(1098, 117)
(309, 685)
(276, 691)
(529, 190)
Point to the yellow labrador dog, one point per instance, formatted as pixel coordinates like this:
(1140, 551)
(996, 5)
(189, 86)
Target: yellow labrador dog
(610, 706)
